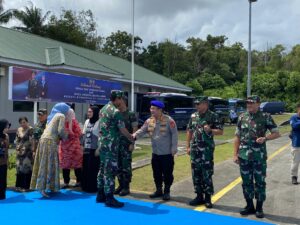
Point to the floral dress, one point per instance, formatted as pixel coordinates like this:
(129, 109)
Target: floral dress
(45, 176)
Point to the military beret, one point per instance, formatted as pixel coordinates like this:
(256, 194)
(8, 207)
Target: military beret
(200, 99)
(253, 99)
(42, 112)
(158, 104)
(117, 94)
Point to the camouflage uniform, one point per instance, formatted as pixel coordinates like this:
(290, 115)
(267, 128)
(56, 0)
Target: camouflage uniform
(202, 150)
(125, 155)
(110, 121)
(252, 155)
(38, 130)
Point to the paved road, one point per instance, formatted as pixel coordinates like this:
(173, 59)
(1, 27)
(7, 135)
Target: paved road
(283, 199)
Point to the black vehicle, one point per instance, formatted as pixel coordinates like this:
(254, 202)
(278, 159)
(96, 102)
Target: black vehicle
(219, 106)
(237, 105)
(272, 107)
(178, 106)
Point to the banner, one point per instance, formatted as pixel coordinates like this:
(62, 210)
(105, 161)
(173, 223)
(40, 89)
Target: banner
(35, 85)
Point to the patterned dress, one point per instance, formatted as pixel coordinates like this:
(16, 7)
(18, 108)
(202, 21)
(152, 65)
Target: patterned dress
(24, 158)
(70, 153)
(45, 175)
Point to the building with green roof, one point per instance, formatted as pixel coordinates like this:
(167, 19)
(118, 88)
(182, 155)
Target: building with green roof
(35, 52)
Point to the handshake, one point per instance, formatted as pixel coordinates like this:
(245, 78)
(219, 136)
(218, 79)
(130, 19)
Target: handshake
(132, 137)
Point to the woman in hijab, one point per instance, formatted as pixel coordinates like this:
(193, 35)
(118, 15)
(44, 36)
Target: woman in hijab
(45, 174)
(70, 153)
(4, 143)
(91, 162)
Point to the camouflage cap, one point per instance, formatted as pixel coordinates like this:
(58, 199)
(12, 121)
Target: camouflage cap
(42, 112)
(117, 94)
(200, 99)
(253, 99)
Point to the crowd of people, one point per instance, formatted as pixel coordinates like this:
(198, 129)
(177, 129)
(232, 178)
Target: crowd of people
(102, 150)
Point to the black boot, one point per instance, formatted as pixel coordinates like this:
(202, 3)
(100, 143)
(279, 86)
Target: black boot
(166, 195)
(126, 190)
(158, 193)
(294, 180)
(208, 203)
(249, 209)
(198, 200)
(100, 197)
(259, 210)
(112, 202)
(119, 189)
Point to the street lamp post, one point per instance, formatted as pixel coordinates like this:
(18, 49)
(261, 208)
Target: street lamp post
(132, 57)
(249, 51)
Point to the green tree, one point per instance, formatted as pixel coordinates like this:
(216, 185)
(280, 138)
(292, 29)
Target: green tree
(6, 15)
(32, 19)
(209, 81)
(292, 60)
(196, 86)
(119, 44)
(75, 28)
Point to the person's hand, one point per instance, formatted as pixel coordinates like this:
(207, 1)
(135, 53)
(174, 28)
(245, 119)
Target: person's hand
(261, 140)
(134, 136)
(207, 129)
(97, 152)
(188, 150)
(236, 159)
(131, 147)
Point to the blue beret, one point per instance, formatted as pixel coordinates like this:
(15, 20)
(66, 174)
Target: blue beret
(158, 104)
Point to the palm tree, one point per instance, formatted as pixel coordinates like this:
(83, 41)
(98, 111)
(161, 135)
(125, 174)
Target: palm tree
(32, 19)
(5, 16)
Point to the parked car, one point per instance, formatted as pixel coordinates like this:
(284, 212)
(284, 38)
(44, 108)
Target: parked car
(272, 107)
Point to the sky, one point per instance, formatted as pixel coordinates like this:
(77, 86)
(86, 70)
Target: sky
(273, 21)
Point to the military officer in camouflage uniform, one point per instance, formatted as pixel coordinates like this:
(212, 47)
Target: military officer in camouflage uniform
(164, 138)
(202, 127)
(125, 150)
(39, 128)
(111, 126)
(251, 154)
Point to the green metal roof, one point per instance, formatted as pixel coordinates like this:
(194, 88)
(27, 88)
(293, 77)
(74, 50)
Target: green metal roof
(35, 49)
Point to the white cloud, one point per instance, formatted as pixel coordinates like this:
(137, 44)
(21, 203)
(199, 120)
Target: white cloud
(274, 21)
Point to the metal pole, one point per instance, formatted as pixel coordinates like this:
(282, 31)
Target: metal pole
(132, 59)
(35, 112)
(249, 54)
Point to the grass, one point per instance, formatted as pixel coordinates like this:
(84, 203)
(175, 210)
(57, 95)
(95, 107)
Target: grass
(143, 180)
(141, 152)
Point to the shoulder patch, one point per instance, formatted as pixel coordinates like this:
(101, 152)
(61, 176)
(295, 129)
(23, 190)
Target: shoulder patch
(172, 123)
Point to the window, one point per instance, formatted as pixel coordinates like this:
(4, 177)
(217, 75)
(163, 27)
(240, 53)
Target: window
(20, 106)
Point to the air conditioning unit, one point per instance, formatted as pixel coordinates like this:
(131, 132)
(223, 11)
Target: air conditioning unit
(2, 71)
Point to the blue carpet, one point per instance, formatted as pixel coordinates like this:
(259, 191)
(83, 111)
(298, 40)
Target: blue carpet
(76, 208)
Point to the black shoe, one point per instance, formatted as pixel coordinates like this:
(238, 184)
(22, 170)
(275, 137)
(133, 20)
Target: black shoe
(65, 186)
(112, 202)
(208, 203)
(249, 209)
(259, 210)
(118, 190)
(158, 193)
(260, 214)
(294, 180)
(166, 196)
(100, 197)
(124, 192)
(197, 201)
